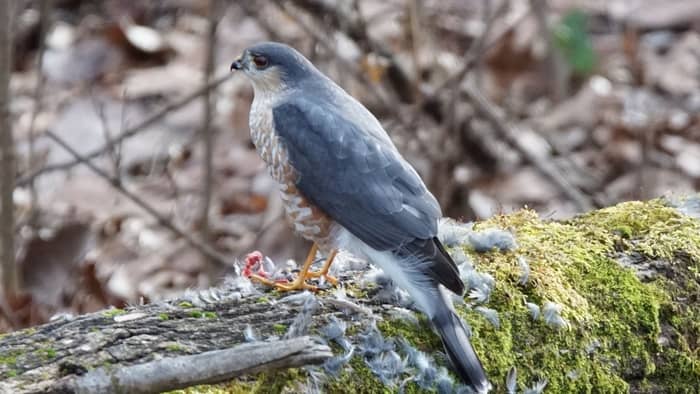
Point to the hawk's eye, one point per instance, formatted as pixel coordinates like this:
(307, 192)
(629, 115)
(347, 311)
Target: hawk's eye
(260, 61)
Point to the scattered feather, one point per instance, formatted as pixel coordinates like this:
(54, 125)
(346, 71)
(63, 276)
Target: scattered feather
(425, 371)
(687, 205)
(237, 287)
(387, 366)
(459, 257)
(404, 314)
(340, 300)
(390, 293)
(344, 262)
(480, 294)
(479, 285)
(372, 342)
(478, 279)
(534, 310)
(249, 334)
(301, 323)
(490, 314)
(334, 365)
(487, 240)
(511, 380)
(551, 312)
(65, 316)
(465, 268)
(445, 384)
(525, 268)
(335, 331)
(537, 388)
(298, 298)
(452, 233)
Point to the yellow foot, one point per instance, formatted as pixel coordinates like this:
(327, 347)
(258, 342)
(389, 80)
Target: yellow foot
(324, 270)
(299, 282)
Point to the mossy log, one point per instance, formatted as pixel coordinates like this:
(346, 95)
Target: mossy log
(625, 281)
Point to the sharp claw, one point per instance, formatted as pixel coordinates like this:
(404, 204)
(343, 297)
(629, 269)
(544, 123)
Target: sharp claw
(255, 259)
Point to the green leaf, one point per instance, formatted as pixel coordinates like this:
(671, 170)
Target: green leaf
(572, 38)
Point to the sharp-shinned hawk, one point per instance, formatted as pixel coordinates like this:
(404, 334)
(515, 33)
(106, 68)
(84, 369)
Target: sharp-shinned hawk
(346, 186)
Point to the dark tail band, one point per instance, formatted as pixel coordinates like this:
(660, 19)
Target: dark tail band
(460, 351)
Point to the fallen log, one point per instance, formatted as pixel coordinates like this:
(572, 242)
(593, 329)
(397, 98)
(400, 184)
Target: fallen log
(608, 301)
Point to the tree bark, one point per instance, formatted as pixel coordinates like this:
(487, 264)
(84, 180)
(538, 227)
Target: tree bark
(52, 358)
(7, 157)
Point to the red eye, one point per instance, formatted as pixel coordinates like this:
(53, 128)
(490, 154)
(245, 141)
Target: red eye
(260, 61)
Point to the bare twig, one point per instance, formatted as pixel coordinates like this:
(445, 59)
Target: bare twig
(207, 131)
(354, 27)
(414, 11)
(205, 368)
(115, 152)
(203, 248)
(508, 134)
(155, 118)
(10, 279)
(475, 51)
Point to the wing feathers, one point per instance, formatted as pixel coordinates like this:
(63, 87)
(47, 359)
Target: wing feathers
(363, 183)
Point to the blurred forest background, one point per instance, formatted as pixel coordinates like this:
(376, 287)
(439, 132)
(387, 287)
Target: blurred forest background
(128, 174)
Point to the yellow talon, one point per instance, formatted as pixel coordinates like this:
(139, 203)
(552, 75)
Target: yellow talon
(299, 282)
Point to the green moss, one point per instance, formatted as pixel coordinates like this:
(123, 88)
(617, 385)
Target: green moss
(210, 315)
(420, 335)
(262, 300)
(48, 353)
(357, 378)
(113, 312)
(9, 358)
(279, 328)
(163, 316)
(174, 347)
(624, 335)
(196, 314)
(574, 264)
(185, 304)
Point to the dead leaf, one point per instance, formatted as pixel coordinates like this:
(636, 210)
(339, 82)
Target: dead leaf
(51, 266)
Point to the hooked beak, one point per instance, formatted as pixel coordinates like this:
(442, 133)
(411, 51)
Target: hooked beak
(237, 65)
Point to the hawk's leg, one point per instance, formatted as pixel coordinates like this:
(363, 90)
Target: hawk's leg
(300, 282)
(324, 270)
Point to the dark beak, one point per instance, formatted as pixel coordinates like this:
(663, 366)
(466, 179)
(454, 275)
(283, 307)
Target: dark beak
(237, 65)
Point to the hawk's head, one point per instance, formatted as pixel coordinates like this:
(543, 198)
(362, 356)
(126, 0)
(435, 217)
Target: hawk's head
(273, 66)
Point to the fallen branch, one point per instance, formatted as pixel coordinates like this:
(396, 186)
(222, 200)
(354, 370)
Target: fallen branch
(205, 368)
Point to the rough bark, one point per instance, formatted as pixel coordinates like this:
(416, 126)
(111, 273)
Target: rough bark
(7, 157)
(40, 359)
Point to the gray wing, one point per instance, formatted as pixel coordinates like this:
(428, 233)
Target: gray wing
(361, 182)
(354, 178)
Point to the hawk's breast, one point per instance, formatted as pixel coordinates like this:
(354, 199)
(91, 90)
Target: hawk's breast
(306, 219)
